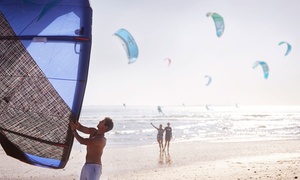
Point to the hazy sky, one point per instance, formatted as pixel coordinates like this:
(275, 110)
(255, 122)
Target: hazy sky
(180, 30)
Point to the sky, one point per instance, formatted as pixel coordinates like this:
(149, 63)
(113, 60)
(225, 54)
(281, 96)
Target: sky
(180, 30)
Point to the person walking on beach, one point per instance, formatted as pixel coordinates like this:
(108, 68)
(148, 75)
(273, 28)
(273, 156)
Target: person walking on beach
(168, 136)
(160, 135)
(95, 144)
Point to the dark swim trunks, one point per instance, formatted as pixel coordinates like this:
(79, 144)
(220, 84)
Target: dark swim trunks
(168, 133)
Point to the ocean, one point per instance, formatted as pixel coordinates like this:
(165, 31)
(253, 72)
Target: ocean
(195, 123)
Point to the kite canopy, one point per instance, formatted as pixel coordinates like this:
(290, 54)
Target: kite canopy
(219, 23)
(45, 52)
(264, 66)
(169, 61)
(208, 80)
(289, 47)
(129, 45)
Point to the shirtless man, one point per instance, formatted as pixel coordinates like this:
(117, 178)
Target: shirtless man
(95, 144)
(168, 136)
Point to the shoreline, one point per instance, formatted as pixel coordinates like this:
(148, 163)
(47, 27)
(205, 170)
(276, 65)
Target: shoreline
(275, 159)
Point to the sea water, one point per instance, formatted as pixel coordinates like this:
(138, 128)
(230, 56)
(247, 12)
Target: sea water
(195, 123)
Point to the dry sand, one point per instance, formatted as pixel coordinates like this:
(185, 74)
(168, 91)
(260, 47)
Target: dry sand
(185, 160)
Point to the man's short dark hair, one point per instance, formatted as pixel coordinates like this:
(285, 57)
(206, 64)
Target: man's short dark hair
(109, 124)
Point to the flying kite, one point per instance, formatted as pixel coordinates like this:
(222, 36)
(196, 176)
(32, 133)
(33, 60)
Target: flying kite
(209, 79)
(289, 47)
(169, 61)
(129, 45)
(219, 23)
(264, 66)
(45, 54)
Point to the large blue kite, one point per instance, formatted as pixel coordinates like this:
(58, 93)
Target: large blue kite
(45, 52)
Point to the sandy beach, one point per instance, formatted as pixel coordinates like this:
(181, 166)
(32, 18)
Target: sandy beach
(185, 160)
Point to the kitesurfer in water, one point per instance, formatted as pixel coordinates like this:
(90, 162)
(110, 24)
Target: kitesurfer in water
(95, 144)
(159, 110)
(168, 136)
(160, 135)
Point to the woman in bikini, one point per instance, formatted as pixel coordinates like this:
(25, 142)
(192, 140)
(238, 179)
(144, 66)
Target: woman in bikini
(160, 134)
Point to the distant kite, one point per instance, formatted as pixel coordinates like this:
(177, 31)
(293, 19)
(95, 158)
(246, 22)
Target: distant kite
(264, 66)
(169, 61)
(129, 45)
(219, 23)
(209, 80)
(289, 47)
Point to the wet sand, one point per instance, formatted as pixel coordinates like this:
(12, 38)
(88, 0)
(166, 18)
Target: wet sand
(185, 160)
